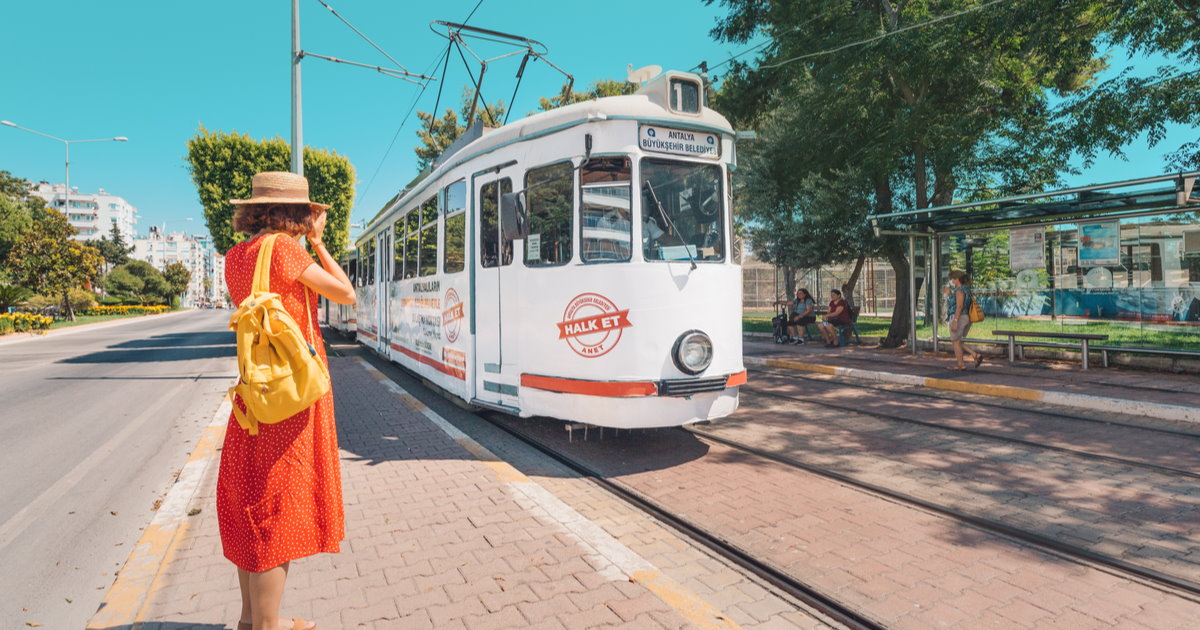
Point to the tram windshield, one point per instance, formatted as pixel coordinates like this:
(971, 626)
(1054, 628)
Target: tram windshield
(682, 216)
(604, 207)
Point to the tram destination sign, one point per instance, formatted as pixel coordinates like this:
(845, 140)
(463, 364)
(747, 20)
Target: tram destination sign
(679, 141)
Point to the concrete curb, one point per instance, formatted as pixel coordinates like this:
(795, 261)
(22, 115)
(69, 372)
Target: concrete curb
(19, 337)
(126, 601)
(1080, 401)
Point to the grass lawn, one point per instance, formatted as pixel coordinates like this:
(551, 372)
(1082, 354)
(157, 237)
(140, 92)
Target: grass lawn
(1119, 334)
(88, 319)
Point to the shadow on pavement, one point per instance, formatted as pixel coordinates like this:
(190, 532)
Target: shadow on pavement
(175, 340)
(164, 625)
(169, 347)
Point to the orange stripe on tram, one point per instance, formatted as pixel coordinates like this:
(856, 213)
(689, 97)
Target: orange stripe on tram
(611, 389)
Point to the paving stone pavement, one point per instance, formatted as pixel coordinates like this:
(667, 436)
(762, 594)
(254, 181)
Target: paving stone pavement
(1145, 517)
(437, 538)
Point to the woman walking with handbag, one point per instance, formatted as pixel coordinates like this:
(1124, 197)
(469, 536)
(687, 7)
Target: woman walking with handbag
(959, 318)
(279, 494)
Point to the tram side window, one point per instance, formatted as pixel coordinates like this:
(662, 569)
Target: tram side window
(604, 210)
(368, 262)
(549, 194)
(397, 245)
(455, 251)
(352, 271)
(494, 251)
(427, 259)
(682, 216)
(413, 228)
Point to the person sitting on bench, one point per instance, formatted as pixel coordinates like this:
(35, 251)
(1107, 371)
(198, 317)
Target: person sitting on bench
(804, 312)
(839, 315)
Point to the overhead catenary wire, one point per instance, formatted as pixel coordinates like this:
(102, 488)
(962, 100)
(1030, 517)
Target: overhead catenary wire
(876, 38)
(362, 35)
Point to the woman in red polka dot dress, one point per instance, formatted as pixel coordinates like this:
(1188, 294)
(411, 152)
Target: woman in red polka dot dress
(279, 493)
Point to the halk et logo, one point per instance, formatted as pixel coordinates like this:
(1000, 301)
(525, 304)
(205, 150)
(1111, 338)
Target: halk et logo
(592, 325)
(452, 316)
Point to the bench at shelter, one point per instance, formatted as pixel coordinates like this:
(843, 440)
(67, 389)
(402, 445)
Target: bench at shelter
(1082, 338)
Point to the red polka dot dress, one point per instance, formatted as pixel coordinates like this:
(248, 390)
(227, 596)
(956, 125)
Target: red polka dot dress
(279, 493)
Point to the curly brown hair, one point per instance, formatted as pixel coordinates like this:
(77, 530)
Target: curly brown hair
(291, 218)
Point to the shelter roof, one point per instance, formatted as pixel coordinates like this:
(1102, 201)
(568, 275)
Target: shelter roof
(1149, 195)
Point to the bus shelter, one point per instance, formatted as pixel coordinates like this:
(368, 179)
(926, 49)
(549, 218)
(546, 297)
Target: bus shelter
(1124, 253)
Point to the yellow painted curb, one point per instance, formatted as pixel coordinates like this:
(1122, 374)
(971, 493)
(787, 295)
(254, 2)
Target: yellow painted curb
(125, 604)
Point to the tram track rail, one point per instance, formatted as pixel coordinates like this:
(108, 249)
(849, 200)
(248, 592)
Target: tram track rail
(981, 403)
(809, 595)
(1171, 583)
(1166, 470)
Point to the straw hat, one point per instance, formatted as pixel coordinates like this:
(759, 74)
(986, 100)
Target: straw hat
(279, 187)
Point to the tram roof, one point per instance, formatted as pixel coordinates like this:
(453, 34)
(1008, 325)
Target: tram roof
(1126, 198)
(645, 105)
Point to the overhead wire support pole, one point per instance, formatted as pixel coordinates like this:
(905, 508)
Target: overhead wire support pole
(297, 121)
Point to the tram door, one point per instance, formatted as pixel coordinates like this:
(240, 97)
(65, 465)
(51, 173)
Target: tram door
(497, 374)
(383, 290)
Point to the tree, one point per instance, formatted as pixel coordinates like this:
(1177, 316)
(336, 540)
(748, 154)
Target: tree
(916, 116)
(222, 165)
(437, 134)
(46, 259)
(113, 248)
(598, 89)
(18, 209)
(177, 277)
(1116, 112)
(139, 280)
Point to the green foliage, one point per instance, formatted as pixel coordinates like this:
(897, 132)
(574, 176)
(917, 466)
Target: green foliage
(113, 247)
(222, 165)
(11, 296)
(18, 209)
(177, 277)
(598, 89)
(953, 109)
(437, 134)
(48, 260)
(79, 299)
(139, 280)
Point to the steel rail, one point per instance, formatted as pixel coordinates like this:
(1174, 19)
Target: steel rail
(981, 403)
(777, 578)
(1153, 576)
(1166, 470)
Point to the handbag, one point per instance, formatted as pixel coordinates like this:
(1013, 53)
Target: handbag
(280, 373)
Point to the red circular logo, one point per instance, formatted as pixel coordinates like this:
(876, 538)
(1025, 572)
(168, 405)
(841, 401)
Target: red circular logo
(452, 315)
(592, 325)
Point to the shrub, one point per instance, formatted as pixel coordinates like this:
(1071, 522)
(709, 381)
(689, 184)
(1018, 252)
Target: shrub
(52, 304)
(23, 322)
(125, 309)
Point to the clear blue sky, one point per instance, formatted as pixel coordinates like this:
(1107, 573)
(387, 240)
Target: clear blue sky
(155, 71)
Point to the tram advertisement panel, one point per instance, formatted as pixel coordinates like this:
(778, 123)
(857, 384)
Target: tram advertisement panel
(428, 326)
(679, 141)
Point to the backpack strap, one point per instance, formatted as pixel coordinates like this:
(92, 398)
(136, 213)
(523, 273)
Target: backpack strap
(262, 268)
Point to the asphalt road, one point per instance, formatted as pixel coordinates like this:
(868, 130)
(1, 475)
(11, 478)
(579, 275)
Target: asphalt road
(95, 423)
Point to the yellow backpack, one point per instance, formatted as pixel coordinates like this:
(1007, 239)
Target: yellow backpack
(281, 374)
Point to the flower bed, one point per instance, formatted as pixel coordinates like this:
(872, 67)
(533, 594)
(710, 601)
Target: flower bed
(23, 322)
(125, 309)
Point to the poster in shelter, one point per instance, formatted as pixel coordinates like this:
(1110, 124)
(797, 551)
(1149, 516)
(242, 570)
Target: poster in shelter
(1027, 248)
(1100, 244)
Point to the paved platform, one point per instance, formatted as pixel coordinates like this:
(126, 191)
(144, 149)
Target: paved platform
(1159, 395)
(442, 533)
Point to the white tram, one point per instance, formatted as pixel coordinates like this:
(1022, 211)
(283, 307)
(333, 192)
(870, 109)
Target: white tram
(575, 264)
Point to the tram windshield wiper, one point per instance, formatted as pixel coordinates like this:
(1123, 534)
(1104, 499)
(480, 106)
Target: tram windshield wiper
(667, 219)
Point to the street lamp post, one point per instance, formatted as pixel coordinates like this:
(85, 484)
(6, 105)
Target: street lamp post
(67, 158)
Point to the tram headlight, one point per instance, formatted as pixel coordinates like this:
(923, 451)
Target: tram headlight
(693, 352)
